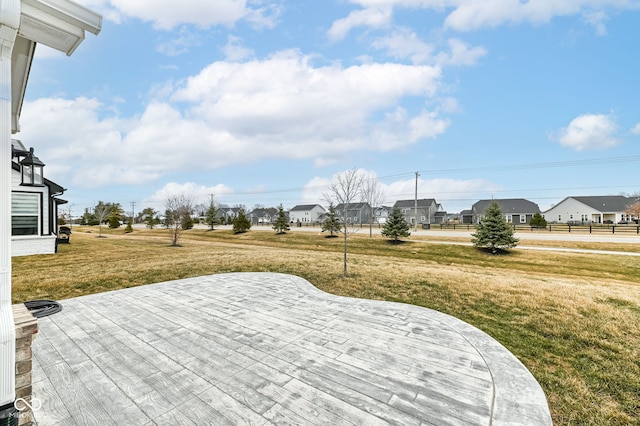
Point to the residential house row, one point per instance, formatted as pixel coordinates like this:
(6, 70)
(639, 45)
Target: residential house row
(605, 209)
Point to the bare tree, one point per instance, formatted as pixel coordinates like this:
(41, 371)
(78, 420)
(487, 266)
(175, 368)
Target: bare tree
(373, 195)
(102, 211)
(633, 211)
(345, 190)
(178, 208)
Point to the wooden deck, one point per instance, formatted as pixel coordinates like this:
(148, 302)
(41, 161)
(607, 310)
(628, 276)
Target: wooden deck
(263, 349)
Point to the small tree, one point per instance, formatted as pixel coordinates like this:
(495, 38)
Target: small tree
(346, 188)
(187, 222)
(537, 221)
(373, 195)
(241, 222)
(150, 217)
(331, 222)
(178, 208)
(634, 211)
(114, 222)
(396, 225)
(129, 228)
(281, 225)
(101, 212)
(211, 216)
(493, 231)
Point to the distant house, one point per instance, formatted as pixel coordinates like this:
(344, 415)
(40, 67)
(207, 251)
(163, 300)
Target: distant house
(262, 216)
(34, 204)
(466, 216)
(425, 213)
(357, 213)
(516, 210)
(227, 214)
(306, 213)
(380, 214)
(590, 209)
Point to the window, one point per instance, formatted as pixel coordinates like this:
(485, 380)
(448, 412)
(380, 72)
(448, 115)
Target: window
(509, 218)
(559, 218)
(523, 218)
(25, 213)
(422, 218)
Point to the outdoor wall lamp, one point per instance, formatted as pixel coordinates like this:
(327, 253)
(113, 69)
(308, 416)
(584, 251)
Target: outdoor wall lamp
(32, 173)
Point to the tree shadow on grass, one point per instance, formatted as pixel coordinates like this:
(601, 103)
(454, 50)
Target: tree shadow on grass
(396, 242)
(331, 236)
(498, 252)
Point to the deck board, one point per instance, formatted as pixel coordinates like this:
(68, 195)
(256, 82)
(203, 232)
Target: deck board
(270, 349)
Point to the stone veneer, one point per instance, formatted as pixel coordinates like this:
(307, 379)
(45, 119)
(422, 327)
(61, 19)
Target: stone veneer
(26, 328)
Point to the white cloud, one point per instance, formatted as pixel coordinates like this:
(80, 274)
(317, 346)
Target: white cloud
(455, 195)
(449, 192)
(234, 50)
(237, 113)
(180, 44)
(468, 15)
(405, 44)
(636, 129)
(461, 54)
(167, 14)
(589, 131)
(197, 193)
(370, 17)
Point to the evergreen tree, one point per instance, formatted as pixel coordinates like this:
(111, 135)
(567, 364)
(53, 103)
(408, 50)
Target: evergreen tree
(241, 223)
(493, 231)
(396, 225)
(281, 225)
(150, 217)
(538, 221)
(331, 222)
(129, 228)
(211, 218)
(187, 222)
(114, 222)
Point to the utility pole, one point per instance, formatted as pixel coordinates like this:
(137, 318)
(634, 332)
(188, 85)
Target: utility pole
(415, 206)
(133, 212)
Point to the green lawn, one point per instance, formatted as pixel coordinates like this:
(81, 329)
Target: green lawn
(573, 319)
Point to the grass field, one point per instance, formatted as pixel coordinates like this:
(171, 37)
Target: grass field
(572, 318)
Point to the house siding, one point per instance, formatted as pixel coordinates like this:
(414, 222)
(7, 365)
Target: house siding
(311, 215)
(571, 210)
(29, 245)
(45, 241)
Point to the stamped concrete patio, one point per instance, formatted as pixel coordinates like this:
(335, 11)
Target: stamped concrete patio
(262, 349)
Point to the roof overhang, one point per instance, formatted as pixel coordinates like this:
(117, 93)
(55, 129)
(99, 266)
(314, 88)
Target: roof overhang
(59, 24)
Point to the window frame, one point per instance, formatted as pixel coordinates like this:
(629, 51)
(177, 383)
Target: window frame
(16, 212)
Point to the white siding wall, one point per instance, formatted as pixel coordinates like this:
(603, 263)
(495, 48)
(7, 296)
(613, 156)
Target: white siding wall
(44, 243)
(571, 210)
(306, 216)
(28, 245)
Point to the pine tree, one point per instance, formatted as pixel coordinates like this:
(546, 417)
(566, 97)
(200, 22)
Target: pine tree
(396, 225)
(241, 223)
(129, 228)
(212, 216)
(281, 225)
(493, 231)
(538, 221)
(331, 222)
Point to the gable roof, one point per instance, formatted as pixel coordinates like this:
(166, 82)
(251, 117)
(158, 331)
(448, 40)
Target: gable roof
(606, 203)
(352, 206)
(422, 202)
(508, 206)
(305, 207)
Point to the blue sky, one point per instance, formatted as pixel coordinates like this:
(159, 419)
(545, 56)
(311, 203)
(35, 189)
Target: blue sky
(264, 102)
